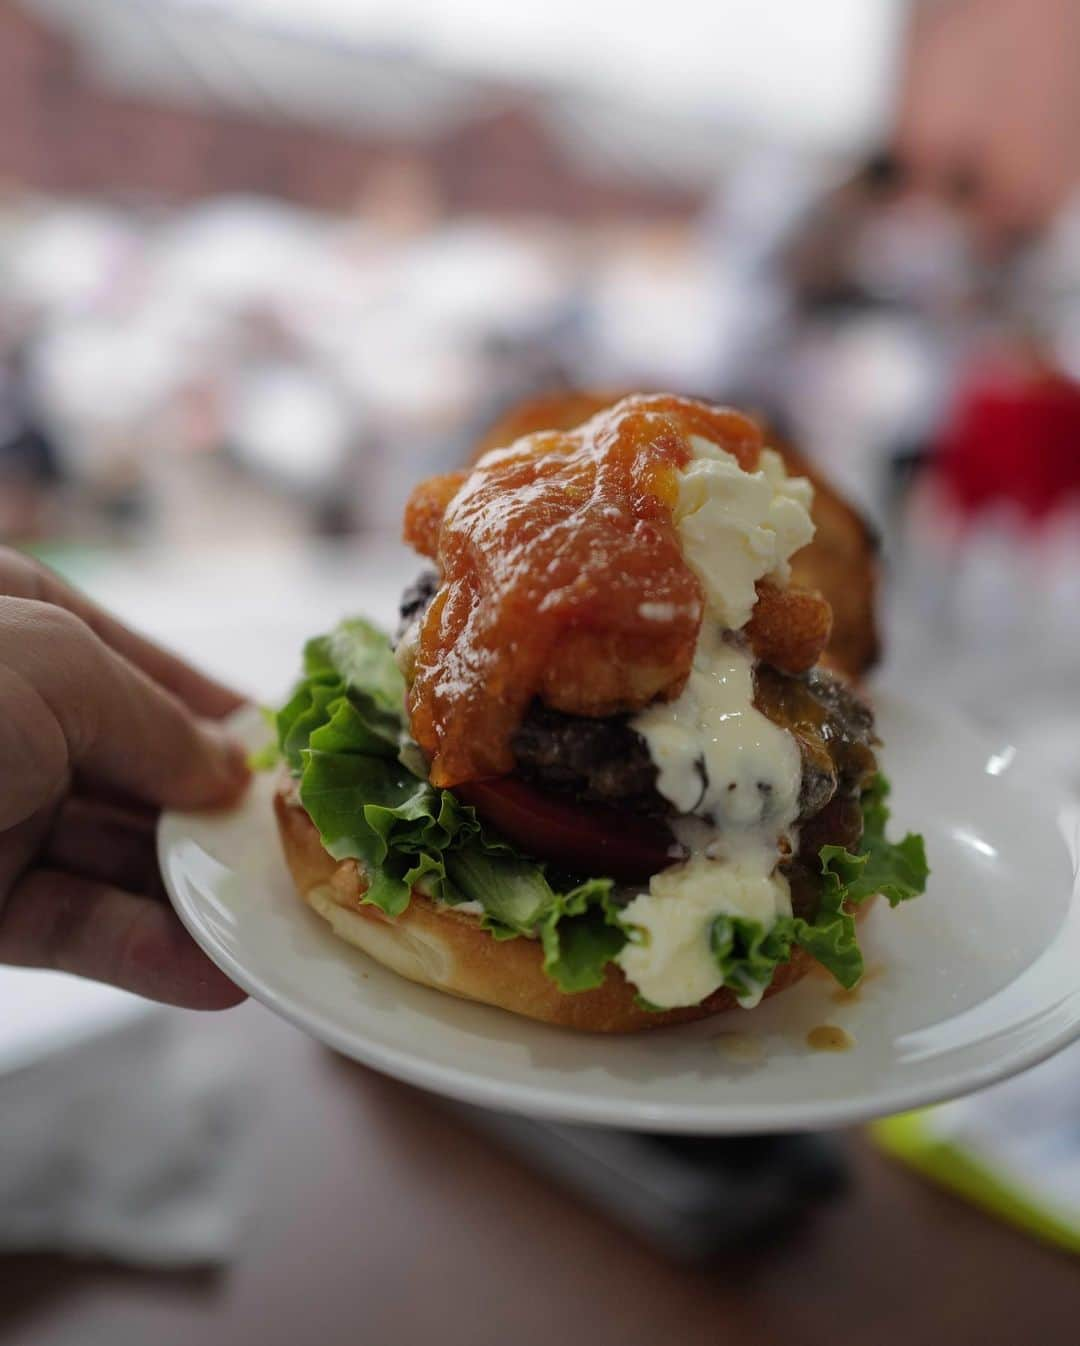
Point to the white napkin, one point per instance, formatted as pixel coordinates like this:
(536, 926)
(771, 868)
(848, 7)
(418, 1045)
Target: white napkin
(122, 1128)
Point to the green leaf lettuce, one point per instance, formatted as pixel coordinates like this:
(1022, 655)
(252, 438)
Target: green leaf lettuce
(344, 735)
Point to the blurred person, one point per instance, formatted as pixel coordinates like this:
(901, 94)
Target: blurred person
(820, 262)
(518, 366)
(31, 468)
(885, 237)
(916, 246)
(288, 421)
(98, 729)
(884, 286)
(401, 200)
(746, 231)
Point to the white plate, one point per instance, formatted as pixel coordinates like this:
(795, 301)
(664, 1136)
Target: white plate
(972, 982)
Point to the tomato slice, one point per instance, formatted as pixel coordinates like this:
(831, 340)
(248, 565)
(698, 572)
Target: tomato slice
(584, 838)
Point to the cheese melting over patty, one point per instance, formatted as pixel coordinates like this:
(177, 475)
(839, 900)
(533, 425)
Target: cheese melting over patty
(732, 774)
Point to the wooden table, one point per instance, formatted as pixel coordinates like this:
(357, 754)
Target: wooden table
(381, 1218)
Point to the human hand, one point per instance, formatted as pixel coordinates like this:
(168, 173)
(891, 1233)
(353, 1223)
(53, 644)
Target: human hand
(99, 728)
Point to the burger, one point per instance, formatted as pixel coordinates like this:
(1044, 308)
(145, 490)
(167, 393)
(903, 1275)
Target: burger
(599, 776)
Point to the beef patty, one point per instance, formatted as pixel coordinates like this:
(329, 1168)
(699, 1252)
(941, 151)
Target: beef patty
(605, 761)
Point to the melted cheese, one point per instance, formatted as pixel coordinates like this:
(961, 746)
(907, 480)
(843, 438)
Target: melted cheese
(738, 527)
(732, 774)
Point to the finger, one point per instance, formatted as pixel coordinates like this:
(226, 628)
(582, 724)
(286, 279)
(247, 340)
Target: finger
(23, 577)
(66, 693)
(101, 841)
(21, 842)
(98, 792)
(52, 920)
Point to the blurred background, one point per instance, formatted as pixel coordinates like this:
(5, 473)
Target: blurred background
(264, 263)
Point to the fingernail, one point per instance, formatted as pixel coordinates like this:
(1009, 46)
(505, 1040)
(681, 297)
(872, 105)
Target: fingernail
(236, 761)
(233, 763)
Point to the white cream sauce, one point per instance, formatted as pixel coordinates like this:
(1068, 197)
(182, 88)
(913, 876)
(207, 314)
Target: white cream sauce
(739, 527)
(732, 773)
(717, 756)
(669, 958)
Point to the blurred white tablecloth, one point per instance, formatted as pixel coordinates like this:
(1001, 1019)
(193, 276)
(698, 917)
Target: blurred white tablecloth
(244, 614)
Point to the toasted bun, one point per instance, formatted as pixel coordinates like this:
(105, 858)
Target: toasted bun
(842, 563)
(440, 947)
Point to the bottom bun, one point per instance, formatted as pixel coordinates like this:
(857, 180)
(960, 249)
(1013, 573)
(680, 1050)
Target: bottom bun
(438, 946)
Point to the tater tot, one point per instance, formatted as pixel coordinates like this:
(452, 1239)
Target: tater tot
(789, 627)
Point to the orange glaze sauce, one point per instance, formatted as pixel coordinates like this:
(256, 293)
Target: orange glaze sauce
(562, 576)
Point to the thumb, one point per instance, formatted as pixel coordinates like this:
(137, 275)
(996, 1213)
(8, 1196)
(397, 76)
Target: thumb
(115, 723)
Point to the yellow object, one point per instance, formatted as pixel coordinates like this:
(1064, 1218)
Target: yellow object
(940, 1154)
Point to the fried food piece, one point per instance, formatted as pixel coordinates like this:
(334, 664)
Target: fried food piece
(597, 672)
(841, 562)
(425, 509)
(789, 628)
